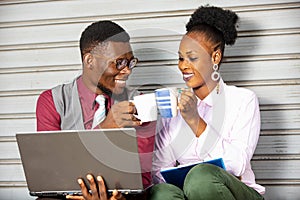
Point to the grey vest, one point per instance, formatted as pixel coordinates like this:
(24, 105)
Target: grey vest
(67, 104)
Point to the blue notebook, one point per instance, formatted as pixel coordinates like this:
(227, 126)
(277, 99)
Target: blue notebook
(176, 175)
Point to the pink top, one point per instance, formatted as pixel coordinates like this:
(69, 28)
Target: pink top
(232, 132)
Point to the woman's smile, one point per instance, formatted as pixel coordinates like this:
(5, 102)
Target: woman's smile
(187, 76)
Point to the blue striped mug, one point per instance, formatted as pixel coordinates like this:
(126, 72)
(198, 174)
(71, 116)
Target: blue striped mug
(166, 99)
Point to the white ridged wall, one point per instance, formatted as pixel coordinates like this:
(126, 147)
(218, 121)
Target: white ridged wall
(39, 49)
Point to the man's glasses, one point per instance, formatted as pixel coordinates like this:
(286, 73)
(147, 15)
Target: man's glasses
(123, 62)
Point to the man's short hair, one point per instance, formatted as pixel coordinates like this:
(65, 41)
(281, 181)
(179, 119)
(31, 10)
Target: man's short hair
(101, 31)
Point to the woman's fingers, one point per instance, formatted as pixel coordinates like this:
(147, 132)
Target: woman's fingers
(188, 101)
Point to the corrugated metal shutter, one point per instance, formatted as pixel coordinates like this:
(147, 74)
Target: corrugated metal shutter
(39, 49)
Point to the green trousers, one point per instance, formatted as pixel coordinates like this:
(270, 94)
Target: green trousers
(207, 182)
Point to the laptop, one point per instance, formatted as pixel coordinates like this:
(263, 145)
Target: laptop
(53, 161)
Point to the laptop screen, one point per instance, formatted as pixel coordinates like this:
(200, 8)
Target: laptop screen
(53, 161)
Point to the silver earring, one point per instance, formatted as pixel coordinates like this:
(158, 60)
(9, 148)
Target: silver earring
(215, 76)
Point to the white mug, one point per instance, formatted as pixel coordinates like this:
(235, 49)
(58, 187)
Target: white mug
(146, 107)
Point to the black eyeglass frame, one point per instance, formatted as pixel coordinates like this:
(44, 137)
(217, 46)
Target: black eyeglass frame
(121, 63)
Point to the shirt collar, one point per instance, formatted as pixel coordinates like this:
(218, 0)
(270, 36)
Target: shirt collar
(87, 95)
(84, 93)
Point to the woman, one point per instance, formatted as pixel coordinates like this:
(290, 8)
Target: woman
(215, 120)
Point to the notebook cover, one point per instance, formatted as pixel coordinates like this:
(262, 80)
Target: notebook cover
(176, 175)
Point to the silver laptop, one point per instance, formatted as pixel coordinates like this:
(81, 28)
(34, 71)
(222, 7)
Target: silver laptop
(53, 161)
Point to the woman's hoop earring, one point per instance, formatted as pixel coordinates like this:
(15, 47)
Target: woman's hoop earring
(215, 76)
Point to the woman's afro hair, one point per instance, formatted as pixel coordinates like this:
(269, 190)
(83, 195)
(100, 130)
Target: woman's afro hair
(223, 20)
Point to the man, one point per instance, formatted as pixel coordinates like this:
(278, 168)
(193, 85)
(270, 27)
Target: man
(107, 61)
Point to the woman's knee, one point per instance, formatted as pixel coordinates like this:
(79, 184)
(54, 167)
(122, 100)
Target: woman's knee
(166, 192)
(203, 172)
(202, 181)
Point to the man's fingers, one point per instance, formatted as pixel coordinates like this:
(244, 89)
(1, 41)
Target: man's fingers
(124, 107)
(97, 192)
(84, 190)
(102, 188)
(134, 110)
(116, 195)
(93, 186)
(129, 117)
(131, 108)
(74, 197)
